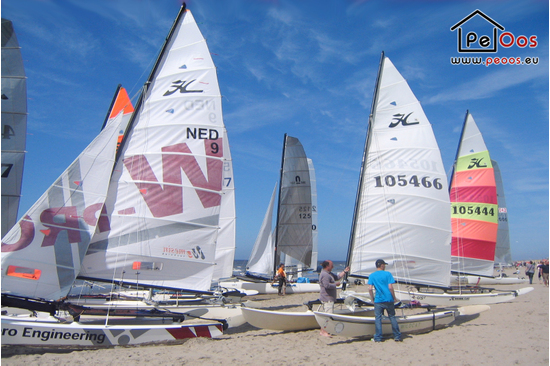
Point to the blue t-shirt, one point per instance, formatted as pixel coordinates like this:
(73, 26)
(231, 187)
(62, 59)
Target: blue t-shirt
(380, 280)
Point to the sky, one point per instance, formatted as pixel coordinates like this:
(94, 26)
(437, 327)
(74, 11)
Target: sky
(306, 68)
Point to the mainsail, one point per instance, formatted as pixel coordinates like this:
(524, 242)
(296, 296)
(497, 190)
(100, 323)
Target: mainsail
(402, 207)
(165, 195)
(314, 218)
(42, 254)
(503, 254)
(474, 205)
(14, 125)
(294, 237)
(261, 259)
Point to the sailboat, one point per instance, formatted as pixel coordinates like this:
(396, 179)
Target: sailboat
(14, 124)
(474, 219)
(402, 207)
(294, 240)
(142, 212)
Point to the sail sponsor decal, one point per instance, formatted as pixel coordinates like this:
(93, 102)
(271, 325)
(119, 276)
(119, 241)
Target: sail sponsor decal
(195, 252)
(181, 86)
(403, 119)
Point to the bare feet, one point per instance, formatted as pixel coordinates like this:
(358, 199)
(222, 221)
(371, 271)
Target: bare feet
(324, 333)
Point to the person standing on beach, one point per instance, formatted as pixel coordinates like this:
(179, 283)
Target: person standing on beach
(328, 284)
(281, 276)
(544, 269)
(382, 281)
(530, 271)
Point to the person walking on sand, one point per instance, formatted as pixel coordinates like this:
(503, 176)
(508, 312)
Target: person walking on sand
(530, 271)
(382, 281)
(281, 276)
(328, 284)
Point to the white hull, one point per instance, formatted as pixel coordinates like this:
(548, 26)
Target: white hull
(459, 299)
(31, 331)
(280, 320)
(476, 280)
(363, 326)
(267, 288)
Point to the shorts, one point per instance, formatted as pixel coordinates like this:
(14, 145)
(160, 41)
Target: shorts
(327, 306)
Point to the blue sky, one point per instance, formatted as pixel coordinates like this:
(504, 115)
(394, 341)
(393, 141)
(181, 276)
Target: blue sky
(306, 68)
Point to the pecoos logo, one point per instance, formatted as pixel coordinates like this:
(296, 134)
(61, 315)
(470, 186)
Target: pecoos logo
(478, 33)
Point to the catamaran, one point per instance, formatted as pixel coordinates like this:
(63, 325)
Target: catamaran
(294, 241)
(145, 211)
(402, 207)
(474, 212)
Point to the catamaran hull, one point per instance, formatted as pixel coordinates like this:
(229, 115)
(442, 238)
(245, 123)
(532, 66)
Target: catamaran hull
(49, 332)
(280, 320)
(363, 326)
(447, 299)
(476, 280)
(268, 288)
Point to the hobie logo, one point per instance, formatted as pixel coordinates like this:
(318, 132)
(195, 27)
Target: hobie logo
(181, 85)
(166, 198)
(476, 163)
(402, 119)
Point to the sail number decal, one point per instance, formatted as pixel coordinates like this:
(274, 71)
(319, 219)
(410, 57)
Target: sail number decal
(403, 180)
(305, 212)
(6, 168)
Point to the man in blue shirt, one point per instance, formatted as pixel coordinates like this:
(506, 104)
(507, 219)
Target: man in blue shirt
(385, 297)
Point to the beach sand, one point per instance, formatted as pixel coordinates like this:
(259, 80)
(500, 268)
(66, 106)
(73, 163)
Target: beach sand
(514, 333)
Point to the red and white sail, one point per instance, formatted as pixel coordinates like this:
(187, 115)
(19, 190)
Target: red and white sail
(165, 195)
(42, 253)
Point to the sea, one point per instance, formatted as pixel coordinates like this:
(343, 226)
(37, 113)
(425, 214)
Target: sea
(239, 268)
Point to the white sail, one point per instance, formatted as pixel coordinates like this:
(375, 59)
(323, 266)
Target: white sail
(503, 254)
(294, 217)
(261, 257)
(165, 194)
(225, 248)
(402, 212)
(41, 255)
(14, 125)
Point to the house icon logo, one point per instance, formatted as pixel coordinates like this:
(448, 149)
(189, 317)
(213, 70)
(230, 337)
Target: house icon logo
(470, 36)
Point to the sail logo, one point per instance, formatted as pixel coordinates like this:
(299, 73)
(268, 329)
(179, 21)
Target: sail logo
(195, 252)
(402, 119)
(181, 85)
(166, 198)
(476, 163)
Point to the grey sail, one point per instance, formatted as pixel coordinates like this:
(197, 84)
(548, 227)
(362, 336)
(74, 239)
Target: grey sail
(14, 125)
(294, 235)
(503, 255)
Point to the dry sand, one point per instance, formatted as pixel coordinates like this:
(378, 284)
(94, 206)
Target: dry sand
(514, 333)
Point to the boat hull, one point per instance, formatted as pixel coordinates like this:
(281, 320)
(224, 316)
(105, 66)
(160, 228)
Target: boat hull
(476, 280)
(123, 332)
(364, 326)
(268, 288)
(459, 299)
(280, 320)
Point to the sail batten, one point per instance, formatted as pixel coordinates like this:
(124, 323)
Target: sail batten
(402, 206)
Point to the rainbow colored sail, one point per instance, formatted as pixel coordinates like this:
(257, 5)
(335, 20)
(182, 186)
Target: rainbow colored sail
(474, 206)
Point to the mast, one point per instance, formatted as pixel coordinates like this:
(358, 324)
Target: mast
(363, 163)
(276, 255)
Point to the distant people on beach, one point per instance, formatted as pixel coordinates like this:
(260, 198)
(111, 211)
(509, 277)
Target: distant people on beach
(530, 271)
(327, 284)
(544, 269)
(539, 271)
